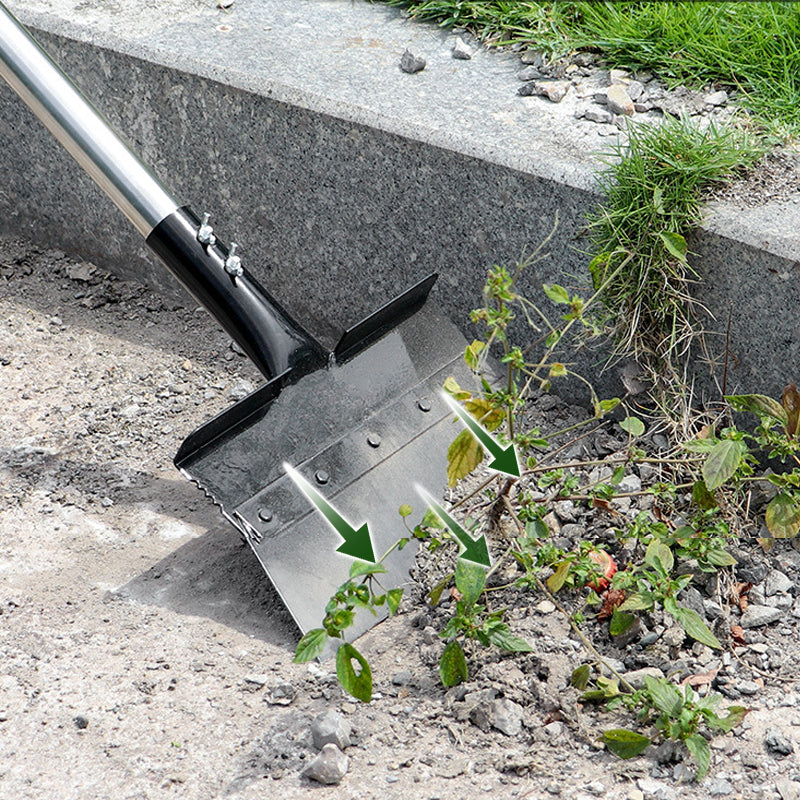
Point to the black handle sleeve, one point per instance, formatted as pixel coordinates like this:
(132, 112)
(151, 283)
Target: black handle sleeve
(270, 337)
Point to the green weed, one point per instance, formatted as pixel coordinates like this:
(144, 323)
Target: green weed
(654, 191)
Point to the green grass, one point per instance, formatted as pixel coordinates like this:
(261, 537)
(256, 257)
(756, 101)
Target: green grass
(654, 190)
(753, 47)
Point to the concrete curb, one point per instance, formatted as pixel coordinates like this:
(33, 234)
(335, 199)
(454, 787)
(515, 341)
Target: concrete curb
(343, 179)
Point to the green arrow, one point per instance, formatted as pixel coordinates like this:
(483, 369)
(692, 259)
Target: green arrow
(505, 460)
(357, 542)
(474, 550)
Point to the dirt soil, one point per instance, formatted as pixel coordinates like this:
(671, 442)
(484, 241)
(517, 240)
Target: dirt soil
(143, 654)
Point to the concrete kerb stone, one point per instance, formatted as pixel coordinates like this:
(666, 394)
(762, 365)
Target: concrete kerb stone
(345, 180)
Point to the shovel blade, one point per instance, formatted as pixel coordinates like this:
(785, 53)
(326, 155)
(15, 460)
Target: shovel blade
(363, 433)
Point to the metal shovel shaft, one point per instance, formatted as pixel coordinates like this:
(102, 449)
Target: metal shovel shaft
(80, 129)
(208, 268)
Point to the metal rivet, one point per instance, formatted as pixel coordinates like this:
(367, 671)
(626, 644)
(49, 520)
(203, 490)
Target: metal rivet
(321, 477)
(265, 514)
(424, 404)
(373, 440)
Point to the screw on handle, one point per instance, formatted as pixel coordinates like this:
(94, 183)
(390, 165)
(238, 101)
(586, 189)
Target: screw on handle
(205, 233)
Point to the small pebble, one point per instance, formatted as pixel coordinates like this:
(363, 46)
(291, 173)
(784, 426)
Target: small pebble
(329, 767)
(461, 50)
(330, 728)
(411, 63)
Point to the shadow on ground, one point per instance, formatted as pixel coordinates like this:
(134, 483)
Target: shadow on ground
(216, 576)
(213, 575)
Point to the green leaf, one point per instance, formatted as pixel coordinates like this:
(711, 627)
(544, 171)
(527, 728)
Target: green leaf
(638, 601)
(453, 665)
(701, 497)
(694, 626)
(664, 695)
(435, 594)
(500, 636)
(605, 406)
(658, 554)
(632, 425)
(557, 579)
(700, 445)
(674, 243)
(722, 462)
(452, 388)
(357, 683)
(463, 455)
(719, 557)
(472, 354)
(726, 724)
(537, 529)
(625, 743)
(620, 622)
(701, 753)
(580, 676)
(405, 510)
(617, 475)
(557, 370)
(310, 646)
(470, 581)
(393, 598)
(558, 294)
(783, 516)
(489, 414)
(358, 568)
(760, 405)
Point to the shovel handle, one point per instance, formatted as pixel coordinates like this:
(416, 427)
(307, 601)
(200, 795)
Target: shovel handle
(207, 268)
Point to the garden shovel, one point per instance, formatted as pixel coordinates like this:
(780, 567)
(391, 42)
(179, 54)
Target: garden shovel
(312, 467)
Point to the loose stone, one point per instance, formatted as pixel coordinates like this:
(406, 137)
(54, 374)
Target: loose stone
(748, 688)
(599, 115)
(411, 63)
(282, 694)
(717, 98)
(534, 57)
(777, 744)
(461, 50)
(554, 91)
(329, 767)
(330, 728)
(506, 716)
(777, 582)
(530, 73)
(636, 677)
(240, 389)
(619, 101)
(719, 788)
(758, 616)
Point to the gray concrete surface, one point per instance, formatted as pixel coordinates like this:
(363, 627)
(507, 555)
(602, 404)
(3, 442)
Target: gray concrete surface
(344, 179)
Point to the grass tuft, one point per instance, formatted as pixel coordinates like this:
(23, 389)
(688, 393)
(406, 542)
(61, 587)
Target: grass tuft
(653, 190)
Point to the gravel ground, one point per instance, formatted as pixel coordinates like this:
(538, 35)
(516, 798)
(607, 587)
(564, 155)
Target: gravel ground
(144, 654)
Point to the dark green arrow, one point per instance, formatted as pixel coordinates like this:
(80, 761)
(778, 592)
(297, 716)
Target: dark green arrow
(357, 542)
(474, 550)
(505, 460)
